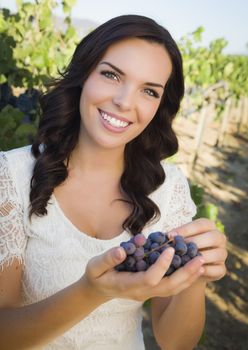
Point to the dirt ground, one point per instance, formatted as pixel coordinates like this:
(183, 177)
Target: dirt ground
(223, 172)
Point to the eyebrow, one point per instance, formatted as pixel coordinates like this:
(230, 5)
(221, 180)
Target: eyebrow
(122, 73)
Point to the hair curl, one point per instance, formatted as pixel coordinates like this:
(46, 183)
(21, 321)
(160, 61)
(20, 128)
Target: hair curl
(59, 126)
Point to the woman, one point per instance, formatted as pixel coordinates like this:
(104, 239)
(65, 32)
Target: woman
(94, 177)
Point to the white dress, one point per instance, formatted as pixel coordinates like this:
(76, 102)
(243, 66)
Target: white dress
(55, 252)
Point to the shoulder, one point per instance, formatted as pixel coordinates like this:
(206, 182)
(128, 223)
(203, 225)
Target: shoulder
(17, 168)
(172, 171)
(174, 177)
(174, 191)
(16, 154)
(173, 198)
(18, 160)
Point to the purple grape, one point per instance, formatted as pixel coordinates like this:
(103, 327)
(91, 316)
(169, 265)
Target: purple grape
(192, 249)
(162, 249)
(157, 237)
(154, 245)
(176, 261)
(129, 247)
(185, 258)
(120, 267)
(139, 253)
(153, 257)
(141, 265)
(148, 243)
(139, 240)
(178, 239)
(180, 248)
(169, 271)
(130, 263)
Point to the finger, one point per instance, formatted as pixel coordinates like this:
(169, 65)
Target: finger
(195, 227)
(146, 280)
(104, 262)
(182, 278)
(208, 239)
(216, 255)
(214, 272)
(156, 271)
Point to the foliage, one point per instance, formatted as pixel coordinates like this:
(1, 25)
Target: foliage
(32, 51)
(205, 209)
(14, 132)
(205, 67)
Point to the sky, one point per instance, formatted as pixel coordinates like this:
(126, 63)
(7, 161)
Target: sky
(221, 18)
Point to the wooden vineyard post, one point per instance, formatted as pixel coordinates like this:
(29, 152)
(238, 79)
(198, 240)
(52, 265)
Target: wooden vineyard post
(243, 117)
(246, 114)
(199, 134)
(240, 115)
(224, 123)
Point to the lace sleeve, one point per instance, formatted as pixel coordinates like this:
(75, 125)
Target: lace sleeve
(181, 208)
(12, 235)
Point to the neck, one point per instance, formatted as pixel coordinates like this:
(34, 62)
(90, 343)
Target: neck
(94, 159)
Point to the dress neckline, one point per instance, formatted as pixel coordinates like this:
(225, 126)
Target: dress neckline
(123, 234)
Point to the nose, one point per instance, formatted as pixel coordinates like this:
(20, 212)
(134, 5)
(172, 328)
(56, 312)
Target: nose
(124, 98)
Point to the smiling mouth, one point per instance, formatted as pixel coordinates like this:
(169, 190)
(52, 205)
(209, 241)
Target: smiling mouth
(117, 123)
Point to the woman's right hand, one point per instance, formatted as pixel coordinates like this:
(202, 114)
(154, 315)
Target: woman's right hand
(102, 279)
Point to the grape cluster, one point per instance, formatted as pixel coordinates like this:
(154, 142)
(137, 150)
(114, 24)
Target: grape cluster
(27, 101)
(142, 252)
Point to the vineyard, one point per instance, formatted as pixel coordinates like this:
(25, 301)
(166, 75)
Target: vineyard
(212, 128)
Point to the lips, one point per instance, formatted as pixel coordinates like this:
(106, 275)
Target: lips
(113, 123)
(112, 115)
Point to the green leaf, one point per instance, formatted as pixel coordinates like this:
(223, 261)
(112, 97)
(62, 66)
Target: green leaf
(197, 34)
(197, 193)
(25, 130)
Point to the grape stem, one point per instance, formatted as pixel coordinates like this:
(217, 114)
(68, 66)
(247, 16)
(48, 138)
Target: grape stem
(157, 248)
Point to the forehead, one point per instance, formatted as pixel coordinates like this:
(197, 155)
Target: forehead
(145, 59)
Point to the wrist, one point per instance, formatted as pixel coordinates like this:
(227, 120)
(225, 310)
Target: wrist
(200, 282)
(90, 292)
(198, 288)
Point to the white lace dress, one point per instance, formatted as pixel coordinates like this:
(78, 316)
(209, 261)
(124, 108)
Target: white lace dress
(55, 252)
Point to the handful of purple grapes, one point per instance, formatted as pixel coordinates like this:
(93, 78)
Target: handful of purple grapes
(142, 252)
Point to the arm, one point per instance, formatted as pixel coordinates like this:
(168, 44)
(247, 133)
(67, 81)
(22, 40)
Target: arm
(39, 323)
(180, 323)
(179, 320)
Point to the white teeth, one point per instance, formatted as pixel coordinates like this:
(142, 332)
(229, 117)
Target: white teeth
(114, 122)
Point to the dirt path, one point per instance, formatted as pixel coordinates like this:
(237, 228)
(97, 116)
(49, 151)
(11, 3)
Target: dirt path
(224, 175)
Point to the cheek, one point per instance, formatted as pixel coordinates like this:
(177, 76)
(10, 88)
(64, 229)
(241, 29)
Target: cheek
(95, 91)
(89, 94)
(147, 113)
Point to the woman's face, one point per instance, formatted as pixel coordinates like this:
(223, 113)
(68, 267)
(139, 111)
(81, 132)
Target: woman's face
(122, 94)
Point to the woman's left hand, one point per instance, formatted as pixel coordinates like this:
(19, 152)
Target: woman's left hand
(211, 244)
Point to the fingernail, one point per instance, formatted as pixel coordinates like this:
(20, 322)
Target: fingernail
(202, 260)
(118, 254)
(170, 251)
(173, 233)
